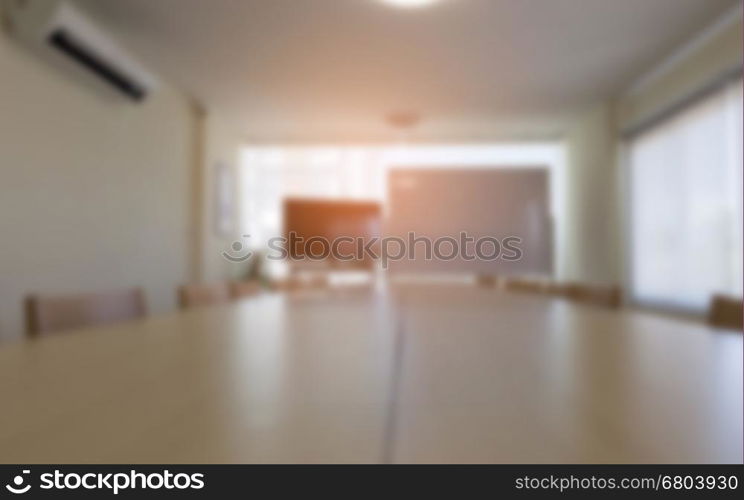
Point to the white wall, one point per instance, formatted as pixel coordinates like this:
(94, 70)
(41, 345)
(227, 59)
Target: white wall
(221, 145)
(591, 244)
(95, 193)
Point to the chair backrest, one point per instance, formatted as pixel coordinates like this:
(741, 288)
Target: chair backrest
(487, 280)
(302, 282)
(567, 290)
(46, 314)
(598, 295)
(198, 295)
(726, 312)
(244, 289)
(529, 285)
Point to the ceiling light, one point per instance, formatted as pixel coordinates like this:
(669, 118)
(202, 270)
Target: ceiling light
(407, 4)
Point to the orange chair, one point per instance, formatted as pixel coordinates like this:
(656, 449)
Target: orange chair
(46, 314)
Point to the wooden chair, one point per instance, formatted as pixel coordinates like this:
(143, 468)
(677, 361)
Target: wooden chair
(47, 314)
(567, 290)
(352, 288)
(599, 295)
(487, 280)
(245, 289)
(525, 285)
(198, 295)
(302, 282)
(726, 312)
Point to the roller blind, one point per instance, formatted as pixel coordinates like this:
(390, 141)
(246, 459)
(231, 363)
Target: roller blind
(686, 204)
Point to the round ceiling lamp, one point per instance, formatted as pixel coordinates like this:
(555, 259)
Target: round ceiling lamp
(409, 4)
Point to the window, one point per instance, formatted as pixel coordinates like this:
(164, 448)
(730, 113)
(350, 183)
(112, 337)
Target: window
(686, 204)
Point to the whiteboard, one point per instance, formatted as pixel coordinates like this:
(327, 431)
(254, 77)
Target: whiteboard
(481, 202)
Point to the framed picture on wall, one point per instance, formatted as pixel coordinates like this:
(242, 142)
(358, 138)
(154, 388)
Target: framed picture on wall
(224, 201)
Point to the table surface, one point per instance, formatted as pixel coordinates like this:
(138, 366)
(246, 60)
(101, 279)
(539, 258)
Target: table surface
(417, 374)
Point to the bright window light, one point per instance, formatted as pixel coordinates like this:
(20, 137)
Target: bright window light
(268, 174)
(686, 205)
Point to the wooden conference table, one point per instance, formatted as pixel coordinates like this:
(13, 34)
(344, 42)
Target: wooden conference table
(428, 374)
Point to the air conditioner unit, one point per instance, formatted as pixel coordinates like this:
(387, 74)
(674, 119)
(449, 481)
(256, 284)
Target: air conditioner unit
(60, 32)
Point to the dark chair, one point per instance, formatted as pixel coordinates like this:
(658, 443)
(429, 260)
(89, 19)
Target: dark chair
(525, 285)
(726, 312)
(46, 313)
(198, 295)
(609, 296)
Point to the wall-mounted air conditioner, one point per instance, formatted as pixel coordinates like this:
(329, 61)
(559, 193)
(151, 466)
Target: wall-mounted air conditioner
(60, 32)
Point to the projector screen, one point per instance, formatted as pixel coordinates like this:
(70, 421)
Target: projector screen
(482, 203)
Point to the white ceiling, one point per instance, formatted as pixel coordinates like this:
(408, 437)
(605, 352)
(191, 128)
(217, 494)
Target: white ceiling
(331, 70)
